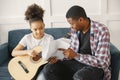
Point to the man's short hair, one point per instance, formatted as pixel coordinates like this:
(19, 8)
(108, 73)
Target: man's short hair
(75, 12)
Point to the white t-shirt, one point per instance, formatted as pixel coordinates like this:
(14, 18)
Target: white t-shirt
(30, 42)
(48, 44)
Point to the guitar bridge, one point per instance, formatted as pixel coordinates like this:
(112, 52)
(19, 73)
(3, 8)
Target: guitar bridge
(23, 66)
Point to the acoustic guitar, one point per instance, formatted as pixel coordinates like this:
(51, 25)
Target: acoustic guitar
(25, 67)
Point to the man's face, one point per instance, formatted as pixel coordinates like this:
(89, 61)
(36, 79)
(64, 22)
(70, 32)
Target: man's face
(76, 24)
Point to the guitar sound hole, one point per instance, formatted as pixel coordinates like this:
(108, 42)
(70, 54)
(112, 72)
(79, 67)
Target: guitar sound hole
(36, 58)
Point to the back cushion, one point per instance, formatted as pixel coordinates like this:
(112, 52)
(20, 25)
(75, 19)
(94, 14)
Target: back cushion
(15, 36)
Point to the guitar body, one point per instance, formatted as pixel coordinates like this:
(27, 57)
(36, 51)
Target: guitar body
(24, 67)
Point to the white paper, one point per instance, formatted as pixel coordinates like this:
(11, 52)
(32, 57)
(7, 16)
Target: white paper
(52, 48)
(49, 50)
(62, 43)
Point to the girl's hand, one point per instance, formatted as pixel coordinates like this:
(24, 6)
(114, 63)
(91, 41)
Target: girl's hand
(31, 53)
(52, 60)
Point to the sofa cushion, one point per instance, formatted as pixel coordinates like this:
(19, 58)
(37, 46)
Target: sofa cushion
(15, 36)
(57, 32)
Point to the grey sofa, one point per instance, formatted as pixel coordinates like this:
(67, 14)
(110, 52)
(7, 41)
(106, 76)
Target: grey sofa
(14, 37)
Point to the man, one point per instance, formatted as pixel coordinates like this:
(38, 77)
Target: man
(88, 57)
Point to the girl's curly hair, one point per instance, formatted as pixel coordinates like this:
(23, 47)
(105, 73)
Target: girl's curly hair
(34, 12)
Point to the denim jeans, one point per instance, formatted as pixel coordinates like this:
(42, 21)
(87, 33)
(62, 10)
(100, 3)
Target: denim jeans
(72, 70)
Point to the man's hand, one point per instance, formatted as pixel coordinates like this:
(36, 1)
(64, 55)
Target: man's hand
(52, 60)
(68, 53)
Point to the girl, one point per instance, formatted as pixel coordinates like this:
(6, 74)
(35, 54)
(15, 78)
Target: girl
(34, 15)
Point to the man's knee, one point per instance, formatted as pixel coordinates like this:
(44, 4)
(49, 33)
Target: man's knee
(88, 73)
(52, 68)
(78, 76)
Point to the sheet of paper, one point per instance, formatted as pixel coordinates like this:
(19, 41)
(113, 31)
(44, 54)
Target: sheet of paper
(49, 50)
(62, 43)
(52, 49)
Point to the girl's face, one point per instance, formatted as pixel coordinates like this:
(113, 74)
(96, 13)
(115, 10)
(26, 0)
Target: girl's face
(37, 28)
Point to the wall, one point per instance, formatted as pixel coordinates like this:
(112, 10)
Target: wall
(12, 16)
(104, 11)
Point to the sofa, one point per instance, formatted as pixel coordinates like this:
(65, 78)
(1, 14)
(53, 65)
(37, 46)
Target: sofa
(14, 36)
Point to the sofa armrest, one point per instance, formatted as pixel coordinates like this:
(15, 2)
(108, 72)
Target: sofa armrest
(115, 62)
(3, 53)
(115, 65)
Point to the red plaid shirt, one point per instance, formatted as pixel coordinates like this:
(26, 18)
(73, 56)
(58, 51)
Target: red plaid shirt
(100, 44)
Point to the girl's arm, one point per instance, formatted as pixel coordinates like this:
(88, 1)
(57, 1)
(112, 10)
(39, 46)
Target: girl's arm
(18, 51)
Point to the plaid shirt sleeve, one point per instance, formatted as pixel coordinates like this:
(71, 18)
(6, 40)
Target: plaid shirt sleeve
(100, 54)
